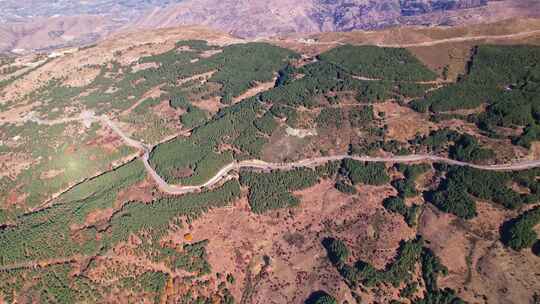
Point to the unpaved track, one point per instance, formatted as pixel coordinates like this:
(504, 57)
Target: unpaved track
(430, 43)
(310, 162)
(462, 39)
(262, 165)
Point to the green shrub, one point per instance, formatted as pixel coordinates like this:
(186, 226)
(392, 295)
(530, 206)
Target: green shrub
(519, 233)
(397, 205)
(343, 186)
(337, 251)
(330, 117)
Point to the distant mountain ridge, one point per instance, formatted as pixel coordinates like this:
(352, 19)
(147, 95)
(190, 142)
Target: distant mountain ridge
(256, 18)
(253, 18)
(243, 18)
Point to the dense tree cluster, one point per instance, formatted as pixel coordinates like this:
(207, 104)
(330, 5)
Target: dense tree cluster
(361, 117)
(272, 190)
(462, 147)
(519, 233)
(377, 62)
(412, 90)
(46, 234)
(242, 65)
(455, 191)
(269, 191)
(181, 155)
(406, 187)
(156, 216)
(409, 254)
(506, 79)
(397, 205)
(320, 297)
(400, 270)
(330, 117)
(364, 172)
(238, 125)
(432, 268)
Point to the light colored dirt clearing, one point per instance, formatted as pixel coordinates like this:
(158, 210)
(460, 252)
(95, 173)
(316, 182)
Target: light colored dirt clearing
(258, 88)
(212, 105)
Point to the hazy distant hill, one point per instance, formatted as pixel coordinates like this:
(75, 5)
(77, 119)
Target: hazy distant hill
(261, 17)
(39, 24)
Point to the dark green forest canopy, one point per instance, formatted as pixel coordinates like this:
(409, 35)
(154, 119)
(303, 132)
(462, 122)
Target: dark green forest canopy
(506, 79)
(198, 155)
(519, 233)
(381, 63)
(410, 253)
(272, 190)
(456, 194)
(46, 234)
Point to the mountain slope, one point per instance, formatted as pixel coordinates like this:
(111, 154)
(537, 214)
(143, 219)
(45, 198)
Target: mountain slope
(263, 18)
(34, 26)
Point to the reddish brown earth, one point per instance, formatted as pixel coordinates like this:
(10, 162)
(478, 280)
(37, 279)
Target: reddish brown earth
(292, 239)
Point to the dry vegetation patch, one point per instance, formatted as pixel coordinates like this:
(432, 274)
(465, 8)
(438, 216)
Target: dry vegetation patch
(481, 269)
(212, 105)
(291, 239)
(403, 123)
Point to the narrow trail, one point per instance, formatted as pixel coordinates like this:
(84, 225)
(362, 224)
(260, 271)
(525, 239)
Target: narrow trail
(88, 118)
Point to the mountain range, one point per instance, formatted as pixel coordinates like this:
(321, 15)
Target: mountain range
(39, 25)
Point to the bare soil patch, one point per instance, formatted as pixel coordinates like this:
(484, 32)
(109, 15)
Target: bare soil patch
(83, 77)
(12, 164)
(403, 123)
(481, 269)
(212, 105)
(256, 89)
(51, 174)
(291, 239)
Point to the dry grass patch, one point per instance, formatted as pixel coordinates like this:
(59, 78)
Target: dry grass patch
(403, 123)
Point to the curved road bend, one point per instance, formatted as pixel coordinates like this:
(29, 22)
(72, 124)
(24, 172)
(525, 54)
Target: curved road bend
(259, 164)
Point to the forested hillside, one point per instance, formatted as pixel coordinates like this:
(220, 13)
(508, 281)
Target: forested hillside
(221, 171)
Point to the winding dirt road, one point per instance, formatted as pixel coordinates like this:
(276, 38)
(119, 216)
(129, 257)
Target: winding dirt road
(310, 162)
(88, 117)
